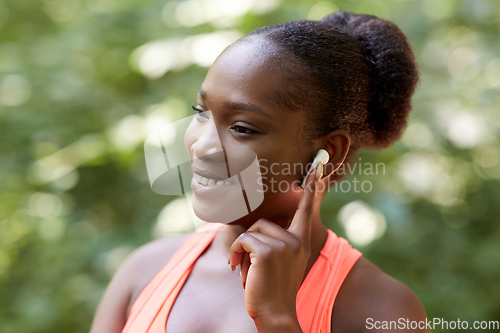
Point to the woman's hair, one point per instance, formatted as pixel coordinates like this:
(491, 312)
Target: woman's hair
(352, 72)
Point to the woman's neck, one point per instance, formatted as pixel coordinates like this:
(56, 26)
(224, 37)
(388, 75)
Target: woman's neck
(228, 234)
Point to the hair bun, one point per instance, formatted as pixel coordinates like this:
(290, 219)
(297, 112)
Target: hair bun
(393, 73)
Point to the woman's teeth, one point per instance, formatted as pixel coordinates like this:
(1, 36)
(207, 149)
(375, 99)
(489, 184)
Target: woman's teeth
(209, 181)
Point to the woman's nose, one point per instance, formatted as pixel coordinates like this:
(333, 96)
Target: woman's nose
(208, 145)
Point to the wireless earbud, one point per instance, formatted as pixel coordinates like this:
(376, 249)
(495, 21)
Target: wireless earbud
(321, 156)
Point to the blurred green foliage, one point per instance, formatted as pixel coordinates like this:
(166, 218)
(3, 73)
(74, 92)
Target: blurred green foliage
(83, 81)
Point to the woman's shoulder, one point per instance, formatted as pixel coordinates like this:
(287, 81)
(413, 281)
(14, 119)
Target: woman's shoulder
(133, 275)
(148, 259)
(158, 251)
(369, 298)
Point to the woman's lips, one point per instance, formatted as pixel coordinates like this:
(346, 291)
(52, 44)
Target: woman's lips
(199, 188)
(212, 182)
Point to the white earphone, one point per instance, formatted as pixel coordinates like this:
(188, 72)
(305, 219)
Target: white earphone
(321, 156)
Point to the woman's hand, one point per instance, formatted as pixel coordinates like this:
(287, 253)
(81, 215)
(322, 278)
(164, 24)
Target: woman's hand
(273, 261)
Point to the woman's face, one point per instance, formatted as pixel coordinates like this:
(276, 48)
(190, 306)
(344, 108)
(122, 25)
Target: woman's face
(244, 118)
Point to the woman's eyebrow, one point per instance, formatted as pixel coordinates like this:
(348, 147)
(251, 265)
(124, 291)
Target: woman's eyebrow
(247, 107)
(239, 105)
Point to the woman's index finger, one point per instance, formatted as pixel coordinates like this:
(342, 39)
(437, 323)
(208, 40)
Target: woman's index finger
(301, 222)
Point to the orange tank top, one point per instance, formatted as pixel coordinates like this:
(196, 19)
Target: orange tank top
(315, 297)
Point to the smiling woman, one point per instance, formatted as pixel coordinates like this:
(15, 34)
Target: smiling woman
(282, 92)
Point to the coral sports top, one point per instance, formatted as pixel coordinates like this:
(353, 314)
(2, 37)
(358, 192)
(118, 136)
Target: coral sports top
(315, 297)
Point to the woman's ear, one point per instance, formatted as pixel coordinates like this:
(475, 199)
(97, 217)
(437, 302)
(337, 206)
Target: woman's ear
(337, 144)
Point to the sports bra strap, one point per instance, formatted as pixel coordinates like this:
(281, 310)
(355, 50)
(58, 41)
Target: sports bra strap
(152, 305)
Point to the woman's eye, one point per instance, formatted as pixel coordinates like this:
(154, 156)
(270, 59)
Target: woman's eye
(242, 129)
(238, 128)
(199, 113)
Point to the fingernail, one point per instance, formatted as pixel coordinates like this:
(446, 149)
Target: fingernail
(233, 267)
(319, 171)
(228, 260)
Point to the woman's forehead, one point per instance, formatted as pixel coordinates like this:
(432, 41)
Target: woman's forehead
(244, 74)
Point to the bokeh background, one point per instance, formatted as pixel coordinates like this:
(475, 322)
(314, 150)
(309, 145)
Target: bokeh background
(84, 82)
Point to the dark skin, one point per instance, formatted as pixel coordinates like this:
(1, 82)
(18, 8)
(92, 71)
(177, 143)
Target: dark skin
(276, 245)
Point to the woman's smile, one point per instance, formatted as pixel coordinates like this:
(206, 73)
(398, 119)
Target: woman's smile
(201, 185)
(211, 182)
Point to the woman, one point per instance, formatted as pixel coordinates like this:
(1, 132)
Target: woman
(283, 92)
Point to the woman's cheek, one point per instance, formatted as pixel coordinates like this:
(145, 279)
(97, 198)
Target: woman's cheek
(278, 183)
